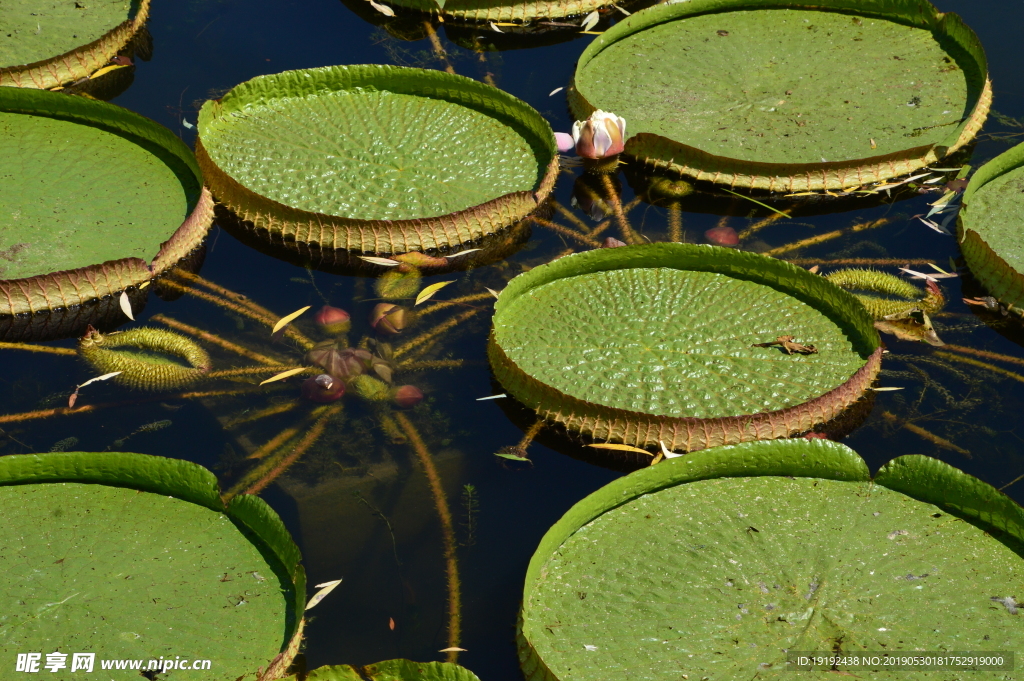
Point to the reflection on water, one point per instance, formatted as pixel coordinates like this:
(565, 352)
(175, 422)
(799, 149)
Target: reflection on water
(357, 500)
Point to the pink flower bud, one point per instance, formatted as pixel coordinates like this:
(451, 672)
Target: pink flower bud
(388, 318)
(601, 136)
(333, 320)
(406, 396)
(722, 236)
(322, 388)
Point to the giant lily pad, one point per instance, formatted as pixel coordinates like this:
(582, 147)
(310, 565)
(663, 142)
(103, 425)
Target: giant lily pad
(734, 91)
(716, 564)
(990, 227)
(96, 200)
(375, 159)
(47, 44)
(135, 557)
(657, 343)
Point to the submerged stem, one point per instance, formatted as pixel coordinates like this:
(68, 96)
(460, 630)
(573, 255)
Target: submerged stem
(675, 223)
(445, 514)
(215, 340)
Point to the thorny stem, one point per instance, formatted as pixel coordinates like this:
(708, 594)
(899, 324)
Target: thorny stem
(248, 417)
(445, 514)
(565, 231)
(215, 340)
(628, 234)
(37, 348)
(984, 353)
(434, 332)
(828, 236)
(278, 440)
(759, 225)
(432, 364)
(273, 468)
(249, 309)
(444, 304)
(248, 371)
(435, 42)
(981, 365)
(926, 434)
(87, 408)
(675, 223)
(530, 433)
(570, 216)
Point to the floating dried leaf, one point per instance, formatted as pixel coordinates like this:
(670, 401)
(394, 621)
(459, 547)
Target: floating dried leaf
(284, 321)
(104, 377)
(666, 453)
(429, 291)
(284, 374)
(461, 253)
(383, 9)
(590, 21)
(555, 91)
(391, 623)
(621, 448)
(325, 588)
(386, 262)
(126, 306)
(495, 28)
(885, 390)
(491, 397)
(492, 292)
(453, 649)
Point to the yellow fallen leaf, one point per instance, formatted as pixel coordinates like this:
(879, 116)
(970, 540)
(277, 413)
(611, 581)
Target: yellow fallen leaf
(126, 306)
(284, 321)
(622, 448)
(429, 291)
(325, 588)
(108, 69)
(886, 389)
(492, 292)
(453, 649)
(144, 285)
(284, 374)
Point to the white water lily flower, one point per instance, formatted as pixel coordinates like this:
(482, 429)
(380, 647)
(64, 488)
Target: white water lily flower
(600, 136)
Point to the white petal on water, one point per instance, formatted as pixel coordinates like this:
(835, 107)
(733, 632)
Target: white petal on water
(126, 306)
(491, 397)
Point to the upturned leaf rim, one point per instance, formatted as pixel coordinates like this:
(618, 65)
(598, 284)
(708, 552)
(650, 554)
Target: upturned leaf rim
(77, 63)
(278, 221)
(995, 274)
(71, 288)
(663, 155)
(610, 424)
(919, 477)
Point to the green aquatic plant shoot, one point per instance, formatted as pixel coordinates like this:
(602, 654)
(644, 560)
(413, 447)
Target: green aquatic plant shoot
(148, 359)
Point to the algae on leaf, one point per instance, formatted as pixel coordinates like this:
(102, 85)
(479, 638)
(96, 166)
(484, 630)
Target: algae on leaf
(717, 563)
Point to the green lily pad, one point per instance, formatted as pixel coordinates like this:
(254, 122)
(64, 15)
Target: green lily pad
(45, 45)
(714, 565)
(378, 159)
(990, 224)
(392, 670)
(660, 343)
(97, 199)
(733, 91)
(131, 556)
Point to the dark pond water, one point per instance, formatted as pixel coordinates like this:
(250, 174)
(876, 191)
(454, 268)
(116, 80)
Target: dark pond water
(357, 503)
